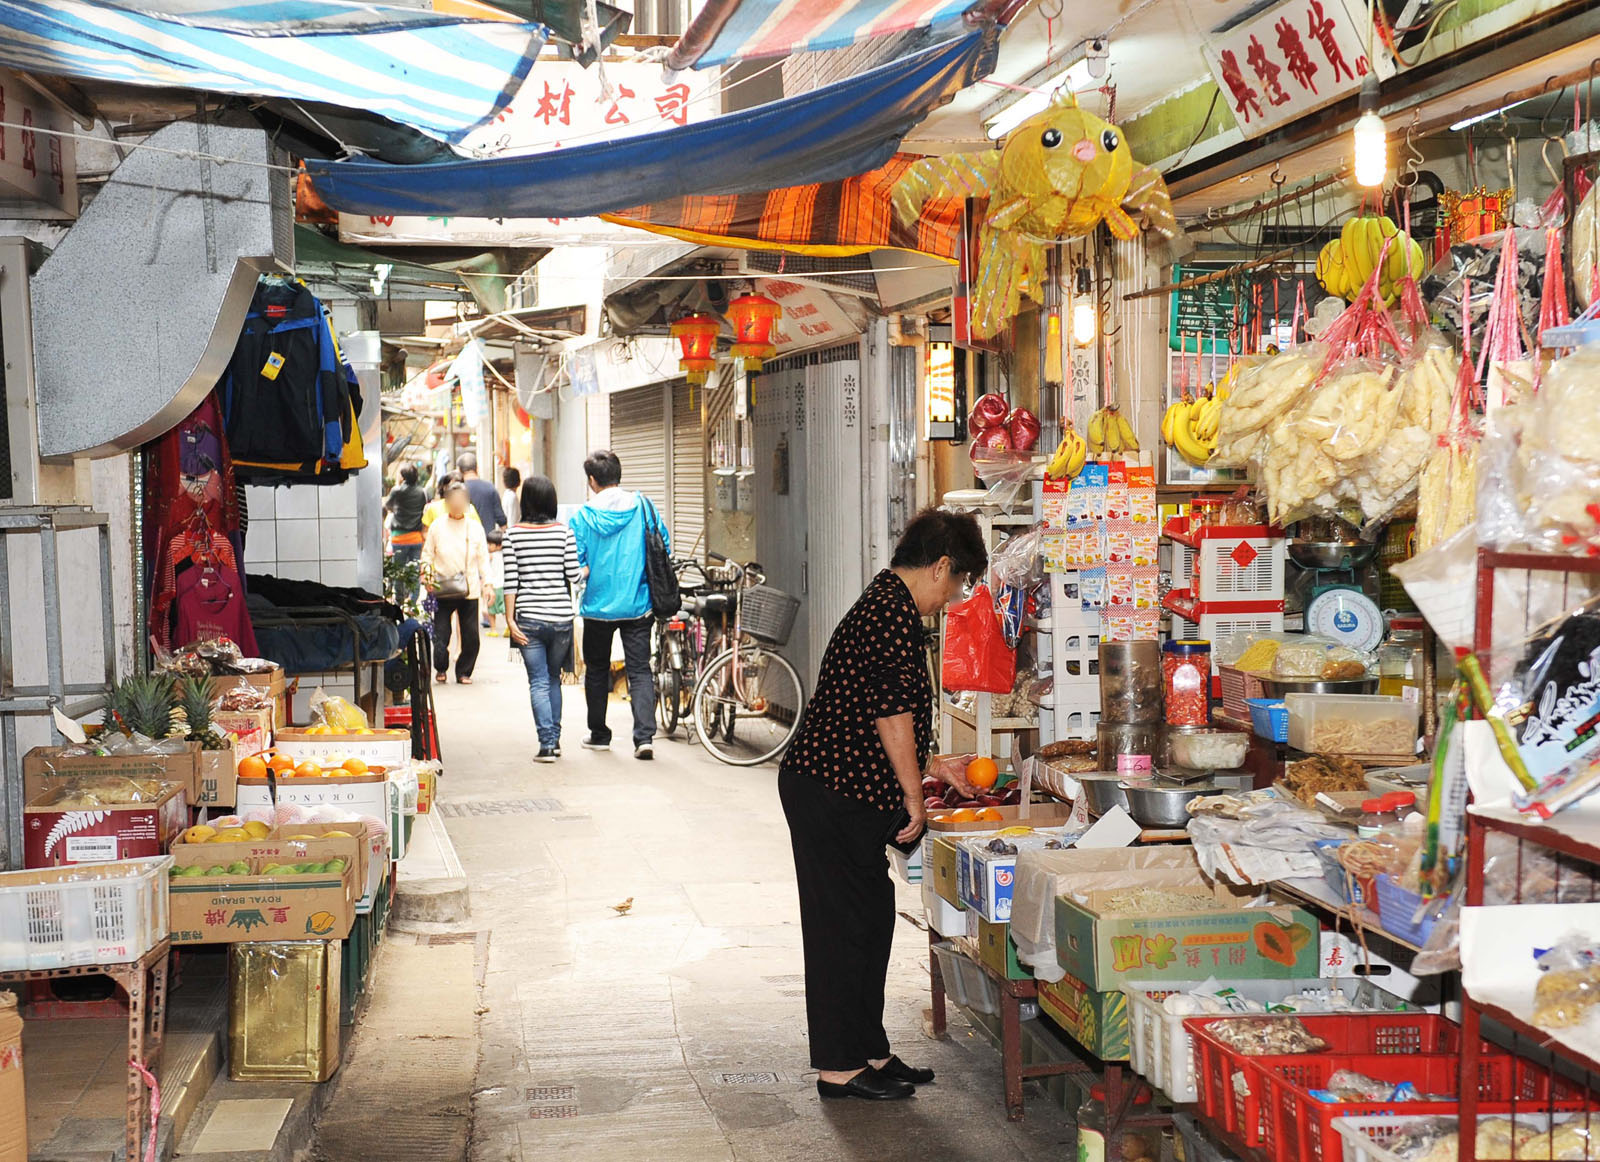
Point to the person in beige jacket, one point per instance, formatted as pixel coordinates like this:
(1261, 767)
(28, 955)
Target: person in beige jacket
(455, 568)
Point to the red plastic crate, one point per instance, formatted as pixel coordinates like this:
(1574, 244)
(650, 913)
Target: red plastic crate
(1368, 1033)
(394, 717)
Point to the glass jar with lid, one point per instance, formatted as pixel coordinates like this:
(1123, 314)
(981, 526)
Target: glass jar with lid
(1400, 662)
(1133, 1143)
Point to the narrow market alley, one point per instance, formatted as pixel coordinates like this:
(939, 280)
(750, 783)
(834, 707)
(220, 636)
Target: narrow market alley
(673, 1031)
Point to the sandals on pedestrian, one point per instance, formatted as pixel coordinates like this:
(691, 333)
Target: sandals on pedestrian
(441, 678)
(463, 681)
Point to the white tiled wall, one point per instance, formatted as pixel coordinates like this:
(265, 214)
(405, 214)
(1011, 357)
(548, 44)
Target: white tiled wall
(303, 533)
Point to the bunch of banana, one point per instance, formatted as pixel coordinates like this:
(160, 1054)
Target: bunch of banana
(1190, 425)
(1110, 433)
(1346, 263)
(1069, 455)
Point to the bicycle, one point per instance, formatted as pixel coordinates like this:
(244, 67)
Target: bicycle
(748, 701)
(677, 649)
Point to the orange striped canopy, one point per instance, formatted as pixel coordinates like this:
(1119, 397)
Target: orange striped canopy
(832, 219)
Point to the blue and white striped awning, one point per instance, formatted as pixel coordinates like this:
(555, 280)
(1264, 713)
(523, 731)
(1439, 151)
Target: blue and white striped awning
(443, 75)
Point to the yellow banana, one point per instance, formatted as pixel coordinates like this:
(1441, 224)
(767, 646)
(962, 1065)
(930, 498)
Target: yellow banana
(1130, 442)
(1097, 428)
(1375, 237)
(1113, 435)
(1209, 419)
(1180, 417)
(1166, 421)
(1353, 244)
(1189, 447)
(1080, 453)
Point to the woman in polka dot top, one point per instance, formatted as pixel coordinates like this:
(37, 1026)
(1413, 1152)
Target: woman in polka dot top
(857, 760)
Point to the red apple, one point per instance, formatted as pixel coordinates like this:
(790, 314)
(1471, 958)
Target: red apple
(935, 805)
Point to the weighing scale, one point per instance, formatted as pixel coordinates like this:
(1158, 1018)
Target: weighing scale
(1338, 591)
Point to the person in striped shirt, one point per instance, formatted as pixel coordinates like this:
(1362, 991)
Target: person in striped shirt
(541, 569)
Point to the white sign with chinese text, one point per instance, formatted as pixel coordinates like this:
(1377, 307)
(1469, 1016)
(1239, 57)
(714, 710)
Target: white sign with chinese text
(35, 167)
(810, 316)
(563, 104)
(1290, 60)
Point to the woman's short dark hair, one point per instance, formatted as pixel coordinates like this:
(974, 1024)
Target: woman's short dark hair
(452, 488)
(538, 500)
(511, 478)
(408, 473)
(934, 533)
(444, 483)
(603, 468)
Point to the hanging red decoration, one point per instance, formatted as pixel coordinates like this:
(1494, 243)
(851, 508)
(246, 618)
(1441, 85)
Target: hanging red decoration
(697, 335)
(752, 317)
(521, 414)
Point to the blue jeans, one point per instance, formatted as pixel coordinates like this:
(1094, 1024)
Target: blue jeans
(549, 646)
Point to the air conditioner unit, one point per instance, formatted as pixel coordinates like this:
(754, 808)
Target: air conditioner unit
(805, 268)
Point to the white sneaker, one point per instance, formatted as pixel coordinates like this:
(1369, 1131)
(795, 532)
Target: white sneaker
(644, 751)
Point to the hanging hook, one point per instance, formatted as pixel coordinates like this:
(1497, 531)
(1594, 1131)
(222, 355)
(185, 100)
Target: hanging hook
(1277, 177)
(1409, 174)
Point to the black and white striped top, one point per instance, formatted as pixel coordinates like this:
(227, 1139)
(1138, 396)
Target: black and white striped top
(541, 563)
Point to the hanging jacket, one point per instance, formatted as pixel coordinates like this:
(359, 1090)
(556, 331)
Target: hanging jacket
(286, 396)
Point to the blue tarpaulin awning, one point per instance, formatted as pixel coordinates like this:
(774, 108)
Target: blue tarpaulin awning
(443, 75)
(731, 30)
(827, 134)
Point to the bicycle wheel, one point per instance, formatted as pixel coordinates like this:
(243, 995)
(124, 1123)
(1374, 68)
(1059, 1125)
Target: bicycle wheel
(669, 692)
(752, 722)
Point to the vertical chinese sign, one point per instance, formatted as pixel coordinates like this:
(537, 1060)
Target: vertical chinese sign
(1291, 60)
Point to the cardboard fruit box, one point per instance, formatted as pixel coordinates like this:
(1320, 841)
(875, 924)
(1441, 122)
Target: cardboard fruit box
(1103, 949)
(252, 728)
(272, 681)
(381, 748)
(219, 777)
(254, 905)
(45, 767)
(13, 1109)
(996, 949)
(369, 794)
(1096, 1020)
(296, 843)
(56, 836)
(940, 862)
(987, 879)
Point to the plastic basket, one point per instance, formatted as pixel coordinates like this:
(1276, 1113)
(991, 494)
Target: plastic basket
(1163, 1051)
(1270, 718)
(768, 614)
(966, 983)
(1397, 908)
(1240, 1109)
(1352, 889)
(1369, 1139)
(1238, 687)
(64, 917)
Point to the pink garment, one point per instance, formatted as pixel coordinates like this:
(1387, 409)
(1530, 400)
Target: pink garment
(210, 603)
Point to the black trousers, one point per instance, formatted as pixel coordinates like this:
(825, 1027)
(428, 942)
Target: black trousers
(597, 675)
(846, 920)
(465, 609)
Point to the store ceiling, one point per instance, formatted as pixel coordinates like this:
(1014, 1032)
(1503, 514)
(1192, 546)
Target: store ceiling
(1154, 48)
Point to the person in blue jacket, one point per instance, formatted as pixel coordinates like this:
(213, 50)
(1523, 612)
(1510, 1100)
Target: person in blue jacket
(609, 531)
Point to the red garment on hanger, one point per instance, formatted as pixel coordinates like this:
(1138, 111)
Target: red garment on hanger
(209, 602)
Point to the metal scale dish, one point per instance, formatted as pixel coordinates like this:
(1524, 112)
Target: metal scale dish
(1338, 591)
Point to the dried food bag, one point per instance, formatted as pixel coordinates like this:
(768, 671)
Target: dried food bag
(1447, 488)
(1561, 691)
(1560, 457)
(1011, 573)
(240, 695)
(1586, 246)
(1320, 658)
(976, 656)
(1569, 983)
(1503, 364)
(339, 715)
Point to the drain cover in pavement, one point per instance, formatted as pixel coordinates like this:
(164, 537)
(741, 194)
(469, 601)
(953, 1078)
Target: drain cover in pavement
(744, 1079)
(783, 980)
(551, 1093)
(499, 807)
(567, 1111)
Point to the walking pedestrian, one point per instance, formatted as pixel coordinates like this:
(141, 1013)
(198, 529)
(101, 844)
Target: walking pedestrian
(435, 507)
(404, 504)
(857, 760)
(511, 497)
(455, 565)
(541, 569)
(610, 531)
(485, 499)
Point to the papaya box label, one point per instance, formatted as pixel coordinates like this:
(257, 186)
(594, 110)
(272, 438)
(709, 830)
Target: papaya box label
(1106, 950)
(246, 906)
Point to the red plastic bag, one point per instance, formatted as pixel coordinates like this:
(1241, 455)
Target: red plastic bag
(976, 656)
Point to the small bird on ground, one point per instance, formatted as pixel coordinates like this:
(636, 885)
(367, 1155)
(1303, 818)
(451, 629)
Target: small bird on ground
(623, 908)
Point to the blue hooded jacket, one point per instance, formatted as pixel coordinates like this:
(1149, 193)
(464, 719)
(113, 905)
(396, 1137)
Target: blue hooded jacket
(609, 531)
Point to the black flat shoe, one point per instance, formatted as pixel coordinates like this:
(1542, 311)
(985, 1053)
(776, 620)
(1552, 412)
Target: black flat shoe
(900, 1071)
(870, 1085)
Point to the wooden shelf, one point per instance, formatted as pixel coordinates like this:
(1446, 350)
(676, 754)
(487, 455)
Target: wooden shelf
(1589, 1058)
(997, 722)
(1574, 835)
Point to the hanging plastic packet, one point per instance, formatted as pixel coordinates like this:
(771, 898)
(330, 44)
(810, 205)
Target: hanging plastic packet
(1447, 798)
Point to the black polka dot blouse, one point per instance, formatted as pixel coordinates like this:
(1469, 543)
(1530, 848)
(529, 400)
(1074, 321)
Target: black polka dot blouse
(875, 667)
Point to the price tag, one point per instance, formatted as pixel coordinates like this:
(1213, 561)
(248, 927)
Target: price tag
(273, 365)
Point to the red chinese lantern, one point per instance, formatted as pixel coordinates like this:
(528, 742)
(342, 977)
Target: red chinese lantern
(697, 335)
(752, 317)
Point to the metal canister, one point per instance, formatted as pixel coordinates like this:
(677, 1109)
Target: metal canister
(283, 1010)
(1126, 746)
(1130, 682)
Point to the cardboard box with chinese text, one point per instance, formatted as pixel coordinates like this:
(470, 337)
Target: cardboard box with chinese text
(55, 836)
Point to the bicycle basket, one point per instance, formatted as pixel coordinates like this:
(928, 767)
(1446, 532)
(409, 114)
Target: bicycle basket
(768, 614)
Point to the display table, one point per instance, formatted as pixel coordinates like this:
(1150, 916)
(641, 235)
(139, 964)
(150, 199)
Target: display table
(145, 981)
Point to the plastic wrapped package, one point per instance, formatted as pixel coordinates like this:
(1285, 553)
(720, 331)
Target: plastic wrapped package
(1560, 458)
(1569, 983)
(90, 792)
(240, 696)
(1320, 658)
(338, 715)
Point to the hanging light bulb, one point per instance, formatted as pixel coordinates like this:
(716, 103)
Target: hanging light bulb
(1371, 138)
(1085, 313)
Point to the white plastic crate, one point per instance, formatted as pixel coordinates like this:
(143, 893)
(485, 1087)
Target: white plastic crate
(1368, 1139)
(966, 983)
(1161, 1050)
(103, 913)
(1214, 625)
(1237, 568)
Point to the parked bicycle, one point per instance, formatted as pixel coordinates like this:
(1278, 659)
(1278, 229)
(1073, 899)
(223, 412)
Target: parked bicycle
(748, 701)
(681, 641)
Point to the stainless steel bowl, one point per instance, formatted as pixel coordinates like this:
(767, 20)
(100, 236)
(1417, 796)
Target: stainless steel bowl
(1103, 790)
(1278, 687)
(1331, 554)
(1189, 750)
(1163, 805)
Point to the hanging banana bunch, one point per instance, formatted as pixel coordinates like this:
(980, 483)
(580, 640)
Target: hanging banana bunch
(1190, 425)
(1110, 433)
(1345, 264)
(1069, 456)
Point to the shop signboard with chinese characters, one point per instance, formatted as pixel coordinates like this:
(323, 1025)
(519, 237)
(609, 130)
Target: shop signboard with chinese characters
(1291, 60)
(37, 166)
(810, 316)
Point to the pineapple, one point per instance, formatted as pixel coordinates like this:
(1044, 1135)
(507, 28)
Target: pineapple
(143, 704)
(195, 696)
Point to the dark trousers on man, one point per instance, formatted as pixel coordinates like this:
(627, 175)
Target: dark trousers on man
(597, 675)
(846, 920)
(464, 609)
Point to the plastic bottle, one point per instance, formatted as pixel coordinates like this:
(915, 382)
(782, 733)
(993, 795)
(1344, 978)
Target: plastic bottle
(1092, 1126)
(1136, 1143)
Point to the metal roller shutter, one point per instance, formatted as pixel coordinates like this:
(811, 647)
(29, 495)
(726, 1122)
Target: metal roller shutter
(688, 474)
(639, 437)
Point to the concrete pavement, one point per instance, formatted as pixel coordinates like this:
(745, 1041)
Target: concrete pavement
(638, 948)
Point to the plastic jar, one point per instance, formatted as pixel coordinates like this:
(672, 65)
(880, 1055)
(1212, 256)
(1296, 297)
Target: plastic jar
(1134, 1143)
(1185, 680)
(1372, 818)
(1400, 665)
